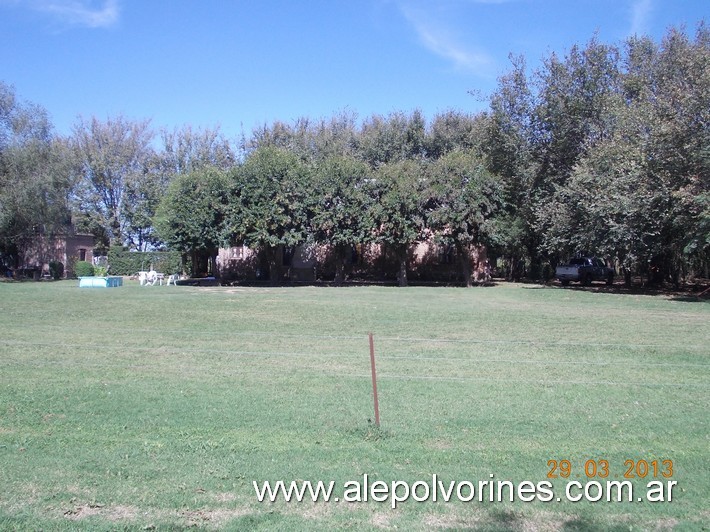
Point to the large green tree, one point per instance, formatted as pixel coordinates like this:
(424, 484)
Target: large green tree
(607, 206)
(398, 209)
(341, 210)
(269, 203)
(184, 150)
(679, 150)
(462, 201)
(110, 154)
(141, 197)
(570, 116)
(35, 177)
(190, 216)
(508, 148)
(638, 193)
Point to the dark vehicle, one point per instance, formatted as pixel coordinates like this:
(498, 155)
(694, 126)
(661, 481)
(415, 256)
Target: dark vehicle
(585, 270)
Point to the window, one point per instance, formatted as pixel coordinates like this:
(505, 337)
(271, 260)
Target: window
(82, 254)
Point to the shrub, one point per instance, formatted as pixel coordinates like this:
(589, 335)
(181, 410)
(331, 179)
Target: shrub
(535, 271)
(100, 271)
(84, 269)
(548, 272)
(124, 262)
(56, 270)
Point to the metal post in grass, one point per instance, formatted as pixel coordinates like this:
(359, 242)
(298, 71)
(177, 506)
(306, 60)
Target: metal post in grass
(374, 381)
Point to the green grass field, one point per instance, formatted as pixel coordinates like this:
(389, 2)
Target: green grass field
(157, 407)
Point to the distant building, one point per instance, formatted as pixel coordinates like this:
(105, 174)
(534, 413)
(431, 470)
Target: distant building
(66, 247)
(428, 262)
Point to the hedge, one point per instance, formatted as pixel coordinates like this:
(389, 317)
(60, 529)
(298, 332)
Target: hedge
(124, 262)
(83, 269)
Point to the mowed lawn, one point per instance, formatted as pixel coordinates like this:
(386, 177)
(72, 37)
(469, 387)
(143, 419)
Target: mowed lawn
(157, 407)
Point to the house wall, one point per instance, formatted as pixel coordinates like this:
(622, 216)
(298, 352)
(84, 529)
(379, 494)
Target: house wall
(75, 244)
(67, 249)
(428, 262)
(237, 262)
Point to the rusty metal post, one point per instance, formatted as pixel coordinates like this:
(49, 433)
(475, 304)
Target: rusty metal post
(374, 381)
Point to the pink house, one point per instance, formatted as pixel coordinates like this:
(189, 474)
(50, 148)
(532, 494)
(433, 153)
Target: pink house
(428, 261)
(66, 247)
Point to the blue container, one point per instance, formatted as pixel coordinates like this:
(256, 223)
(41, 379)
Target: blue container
(100, 282)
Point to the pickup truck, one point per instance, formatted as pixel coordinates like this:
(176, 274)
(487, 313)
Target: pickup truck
(585, 270)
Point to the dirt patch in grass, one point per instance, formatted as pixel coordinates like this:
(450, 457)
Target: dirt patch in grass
(214, 518)
(381, 520)
(224, 497)
(209, 518)
(666, 524)
(318, 511)
(538, 522)
(224, 290)
(441, 521)
(110, 513)
(504, 520)
(439, 444)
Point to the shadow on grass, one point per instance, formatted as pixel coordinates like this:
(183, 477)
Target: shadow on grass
(692, 294)
(371, 433)
(356, 282)
(691, 299)
(584, 524)
(269, 520)
(502, 520)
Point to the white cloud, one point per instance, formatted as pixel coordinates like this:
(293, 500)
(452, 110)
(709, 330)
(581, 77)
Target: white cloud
(439, 38)
(640, 15)
(86, 13)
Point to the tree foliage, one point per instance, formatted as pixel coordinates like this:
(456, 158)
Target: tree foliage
(110, 154)
(463, 200)
(602, 148)
(399, 208)
(341, 211)
(269, 204)
(397, 137)
(185, 150)
(142, 195)
(35, 180)
(608, 151)
(190, 216)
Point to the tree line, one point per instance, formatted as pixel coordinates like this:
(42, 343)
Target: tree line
(605, 149)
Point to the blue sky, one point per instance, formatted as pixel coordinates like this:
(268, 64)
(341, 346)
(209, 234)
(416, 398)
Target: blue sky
(240, 64)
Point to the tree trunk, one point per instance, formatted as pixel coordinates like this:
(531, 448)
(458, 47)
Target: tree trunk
(115, 239)
(339, 265)
(402, 259)
(465, 260)
(515, 268)
(195, 266)
(213, 264)
(274, 266)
